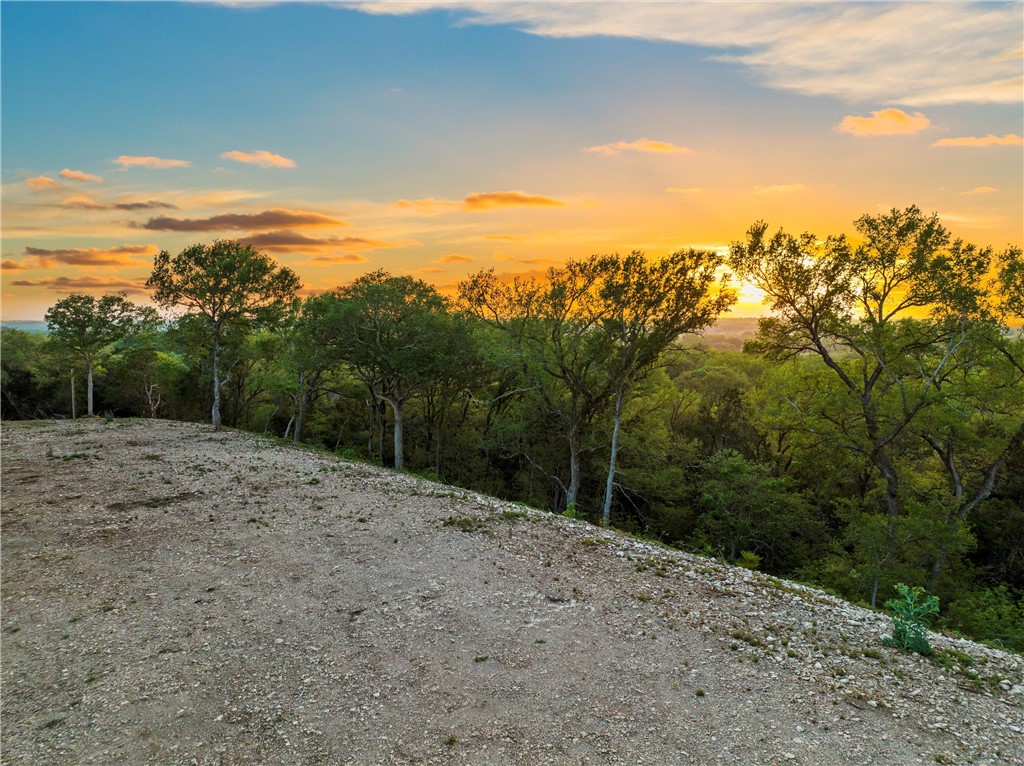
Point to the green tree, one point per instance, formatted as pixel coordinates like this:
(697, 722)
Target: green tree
(553, 326)
(224, 282)
(313, 351)
(27, 387)
(85, 326)
(394, 333)
(858, 311)
(644, 308)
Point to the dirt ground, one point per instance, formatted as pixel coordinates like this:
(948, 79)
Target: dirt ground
(172, 595)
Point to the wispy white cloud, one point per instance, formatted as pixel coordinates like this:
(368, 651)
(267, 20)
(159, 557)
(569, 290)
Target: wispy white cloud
(261, 157)
(908, 53)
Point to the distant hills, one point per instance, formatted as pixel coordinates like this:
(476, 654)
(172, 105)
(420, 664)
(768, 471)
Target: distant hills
(727, 333)
(28, 325)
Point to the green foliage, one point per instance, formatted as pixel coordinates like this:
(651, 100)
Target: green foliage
(914, 611)
(748, 560)
(743, 507)
(570, 511)
(84, 326)
(226, 283)
(994, 615)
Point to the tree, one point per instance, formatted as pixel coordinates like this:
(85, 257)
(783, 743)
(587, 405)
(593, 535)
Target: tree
(554, 329)
(224, 282)
(859, 311)
(312, 352)
(645, 307)
(85, 326)
(394, 333)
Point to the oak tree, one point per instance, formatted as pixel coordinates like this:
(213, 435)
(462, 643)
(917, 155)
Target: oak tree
(223, 282)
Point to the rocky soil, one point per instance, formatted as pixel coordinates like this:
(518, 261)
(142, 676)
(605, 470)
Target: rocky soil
(172, 595)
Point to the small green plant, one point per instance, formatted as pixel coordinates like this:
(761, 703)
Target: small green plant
(570, 511)
(914, 611)
(748, 560)
(108, 416)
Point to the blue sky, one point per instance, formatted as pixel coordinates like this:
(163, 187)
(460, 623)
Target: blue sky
(579, 128)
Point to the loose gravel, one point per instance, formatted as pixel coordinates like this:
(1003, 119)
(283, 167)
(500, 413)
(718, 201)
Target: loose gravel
(175, 595)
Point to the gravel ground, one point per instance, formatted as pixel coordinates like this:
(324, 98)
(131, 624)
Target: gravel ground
(172, 595)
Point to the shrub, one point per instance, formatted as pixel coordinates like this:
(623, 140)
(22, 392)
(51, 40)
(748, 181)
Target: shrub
(914, 611)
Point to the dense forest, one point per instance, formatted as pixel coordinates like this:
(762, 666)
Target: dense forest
(869, 432)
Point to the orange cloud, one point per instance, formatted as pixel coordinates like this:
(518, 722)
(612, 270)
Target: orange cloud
(125, 255)
(885, 122)
(453, 258)
(262, 158)
(981, 190)
(640, 145)
(74, 284)
(277, 218)
(427, 205)
(340, 258)
(505, 199)
(78, 175)
(293, 242)
(42, 182)
(779, 189)
(80, 200)
(8, 265)
(88, 203)
(478, 201)
(989, 140)
(153, 163)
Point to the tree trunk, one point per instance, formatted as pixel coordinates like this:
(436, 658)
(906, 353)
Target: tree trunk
(957, 488)
(574, 467)
(396, 409)
(73, 415)
(88, 366)
(303, 404)
(609, 482)
(215, 414)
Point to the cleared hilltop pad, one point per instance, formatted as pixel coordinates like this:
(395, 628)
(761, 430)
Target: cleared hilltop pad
(172, 595)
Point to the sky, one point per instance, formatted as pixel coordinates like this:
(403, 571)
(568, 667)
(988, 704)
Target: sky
(437, 139)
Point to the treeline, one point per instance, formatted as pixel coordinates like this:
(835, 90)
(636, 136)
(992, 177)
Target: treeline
(872, 433)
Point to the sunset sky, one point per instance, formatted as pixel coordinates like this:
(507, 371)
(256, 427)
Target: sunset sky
(436, 139)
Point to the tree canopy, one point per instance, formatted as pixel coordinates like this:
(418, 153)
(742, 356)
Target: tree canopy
(224, 281)
(84, 326)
